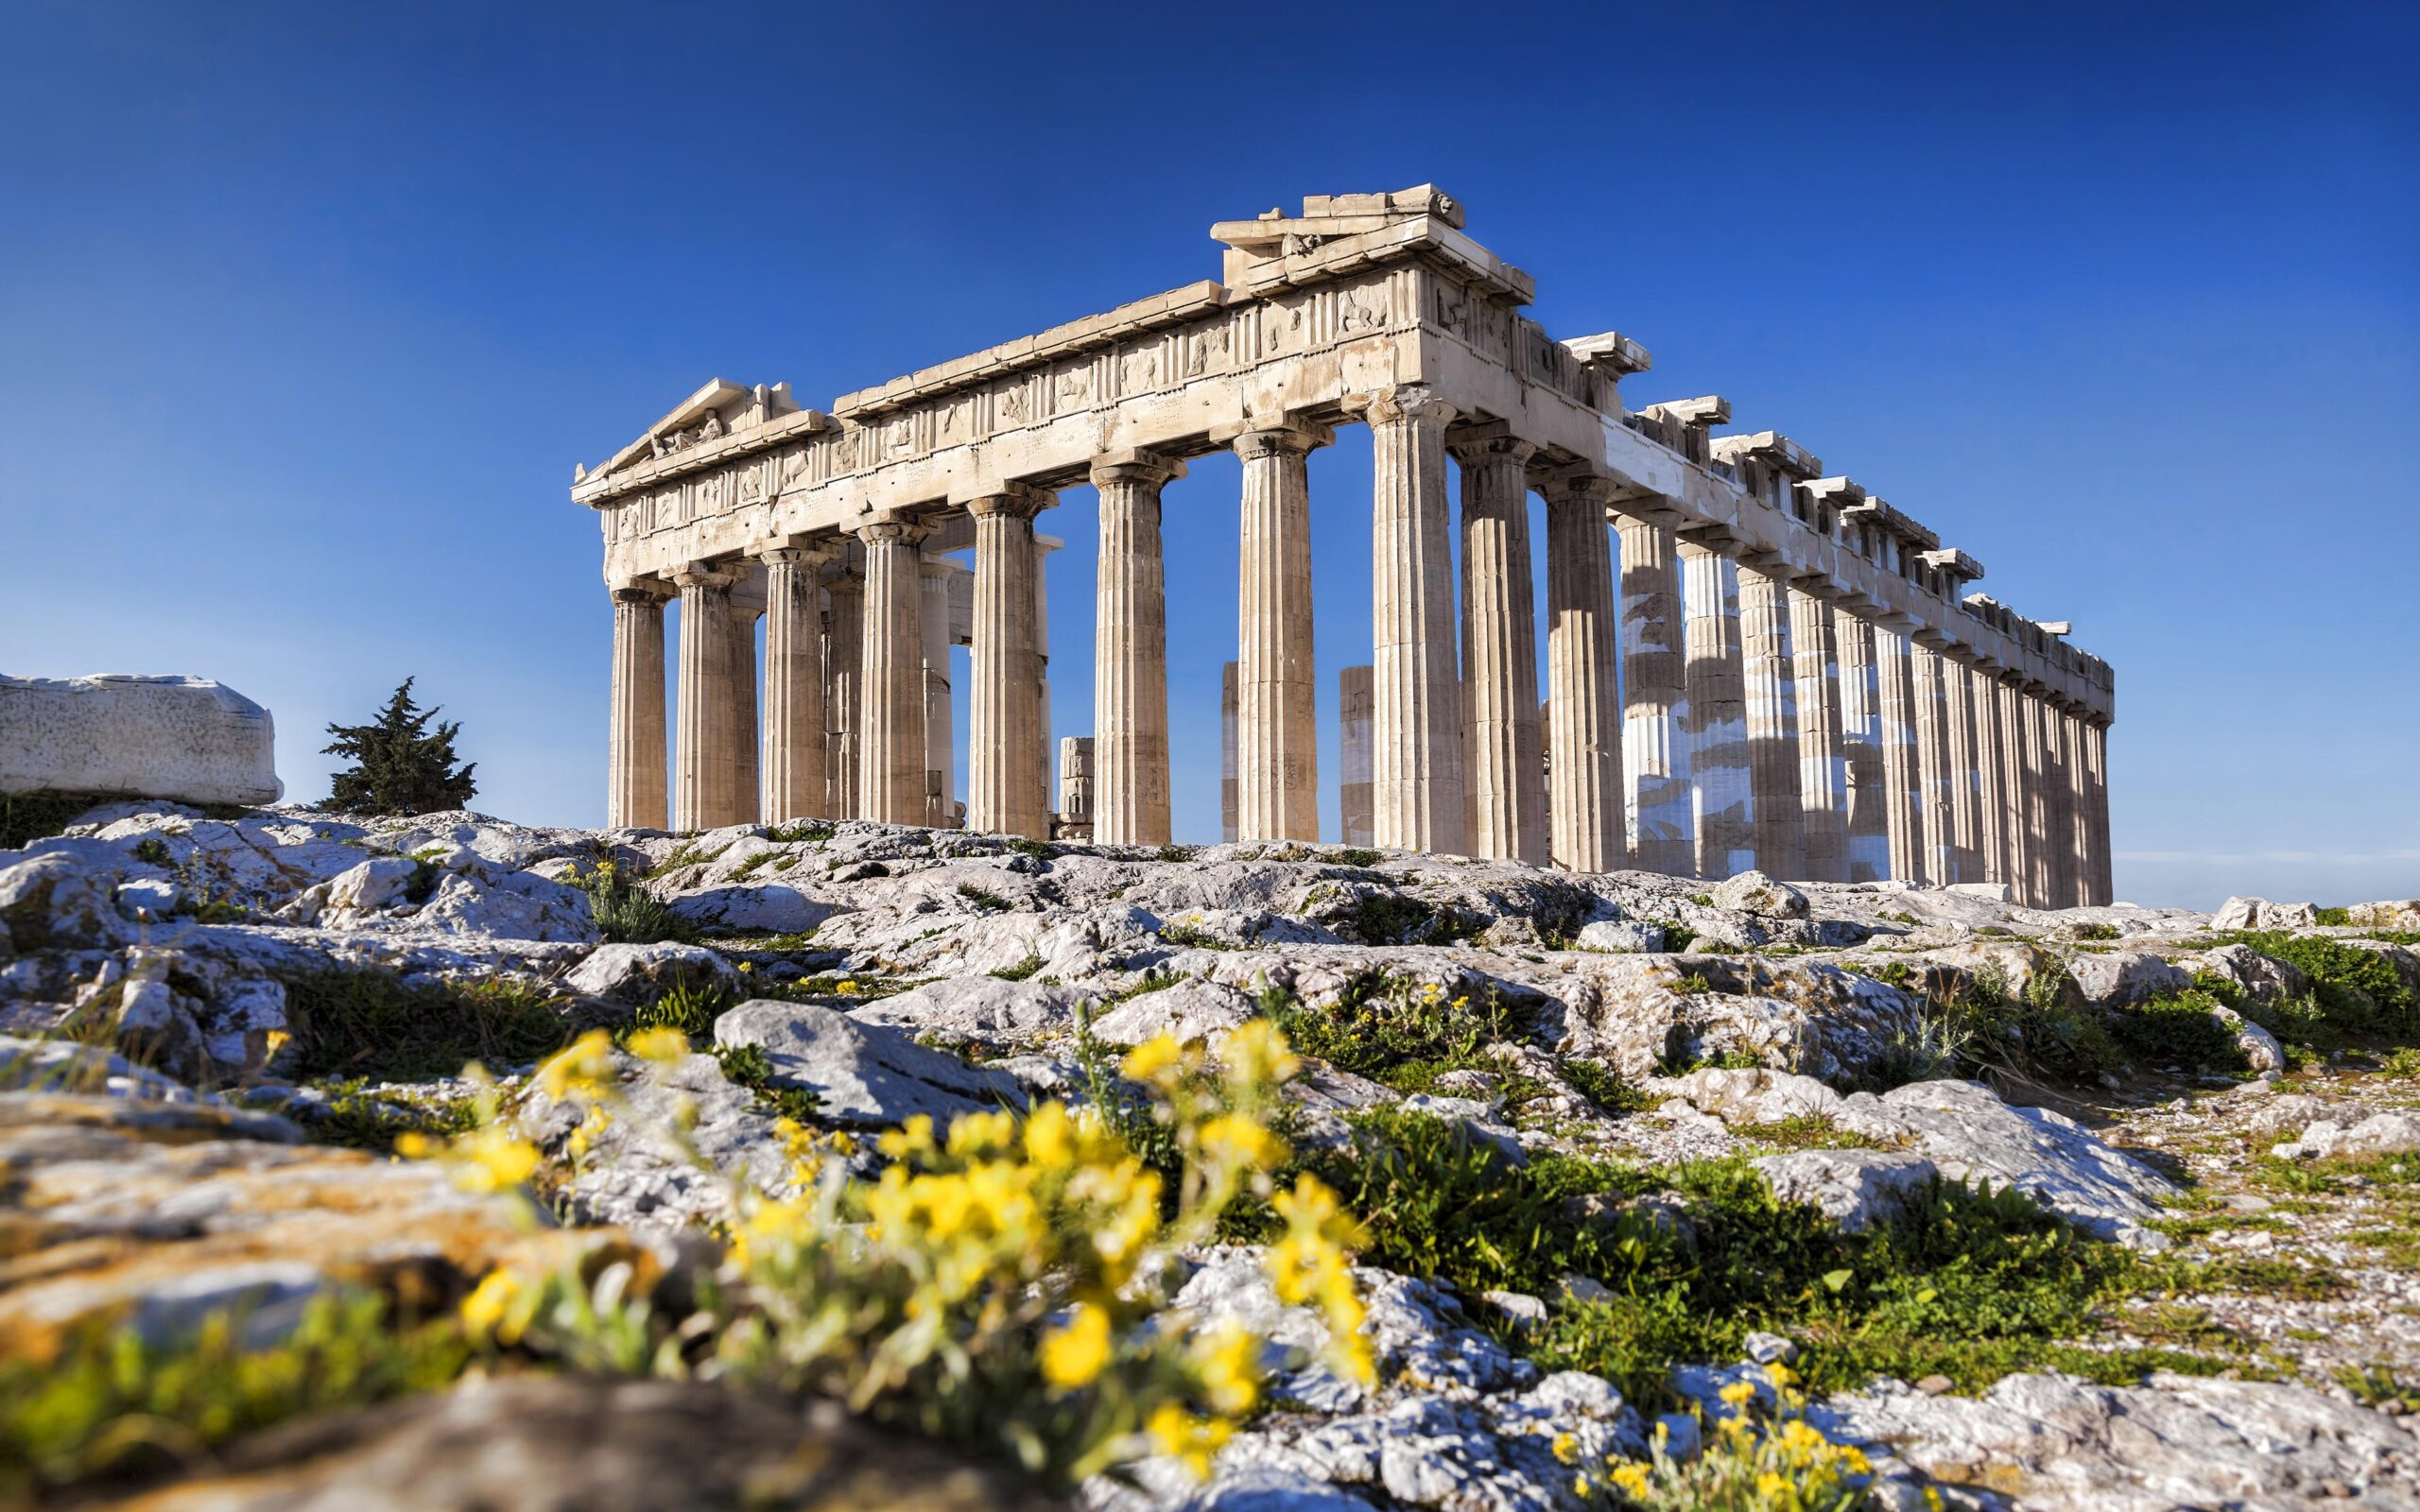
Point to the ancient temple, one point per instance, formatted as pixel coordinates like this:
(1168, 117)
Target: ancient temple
(1750, 662)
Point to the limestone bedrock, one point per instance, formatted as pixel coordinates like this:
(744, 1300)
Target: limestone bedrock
(189, 739)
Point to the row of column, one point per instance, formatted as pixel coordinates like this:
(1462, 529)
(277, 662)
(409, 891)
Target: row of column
(1703, 711)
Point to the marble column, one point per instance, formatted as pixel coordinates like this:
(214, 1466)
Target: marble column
(1077, 793)
(1715, 721)
(1939, 855)
(796, 784)
(1965, 791)
(1130, 653)
(1276, 734)
(2077, 836)
(635, 790)
(2059, 793)
(2040, 882)
(1770, 673)
(1902, 775)
(1005, 794)
(746, 786)
(1353, 703)
(891, 694)
(1227, 748)
(707, 768)
(2013, 812)
(1869, 802)
(1655, 754)
(844, 669)
(935, 575)
(1415, 734)
(1584, 716)
(1990, 772)
(1823, 760)
(1503, 768)
(2096, 735)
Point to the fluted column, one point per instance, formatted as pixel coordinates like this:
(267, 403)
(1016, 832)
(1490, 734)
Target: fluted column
(1277, 764)
(746, 786)
(1769, 672)
(2077, 836)
(1932, 760)
(1715, 721)
(1130, 653)
(936, 574)
(1902, 776)
(2014, 838)
(1503, 769)
(844, 671)
(1868, 801)
(2104, 891)
(1415, 735)
(1353, 706)
(2041, 884)
(1007, 789)
(1823, 762)
(796, 784)
(1655, 754)
(1966, 791)
(704, 764)
(1584, 716)
(1991, 773)
(891, 697)
(635, 785)
(1229, 713)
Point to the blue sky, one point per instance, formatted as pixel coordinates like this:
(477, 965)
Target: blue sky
(306, 312)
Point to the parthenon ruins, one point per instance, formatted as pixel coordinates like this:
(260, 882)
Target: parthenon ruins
(1797, 681)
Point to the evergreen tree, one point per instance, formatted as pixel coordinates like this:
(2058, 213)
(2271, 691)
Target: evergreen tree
(400, 768)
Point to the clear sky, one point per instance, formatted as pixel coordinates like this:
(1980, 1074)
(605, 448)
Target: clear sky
(307, 310)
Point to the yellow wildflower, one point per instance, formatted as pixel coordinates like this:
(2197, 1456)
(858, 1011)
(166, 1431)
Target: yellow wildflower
(747, 968)
(488, 1310)
(1773, 1488)
(1630, 1478)
(846, 986)
(583, 1139)
(1051, 1137)
(1230, 1361)
(1738, 1394)
(1566, 1447)
(661, 1045)
(1780, 1374)
(1073, 1355)
(493, 1161)
(581, 1069)
(1233, 1139)
(1153, 1058)
(1581, 1487)
(1189, 1440)
(1258, 1052)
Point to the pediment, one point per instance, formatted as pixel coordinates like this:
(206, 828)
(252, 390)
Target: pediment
(712, 413)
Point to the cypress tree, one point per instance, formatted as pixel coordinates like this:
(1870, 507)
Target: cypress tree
(401, 766)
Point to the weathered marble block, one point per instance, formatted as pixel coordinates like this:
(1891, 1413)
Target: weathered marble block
(170, 737)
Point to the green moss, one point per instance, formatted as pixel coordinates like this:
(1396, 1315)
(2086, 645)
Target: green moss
(361, 1022)
(1355, 857)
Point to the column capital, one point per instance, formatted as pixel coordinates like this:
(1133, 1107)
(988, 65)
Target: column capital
(1135, 465)
(642, 591)
(1931, 639)
(1020, 500)
(1400, 404)
(1574, 486)
(793, 550)
(1289, 439)
(1716, 541)
(898, 527)
(703, 575)
(1482, 440)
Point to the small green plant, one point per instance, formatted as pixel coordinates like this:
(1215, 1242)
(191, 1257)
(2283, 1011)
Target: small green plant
(800, 832)
(1358, 857)
(26, 817)
(363, 1021)
(1601, 1085)
(628, 913)
(688, 1005)
(689, 854)
(1187, 936)
(2343, 917)
(1396, 1032)
(1021, 970)
(153, 851)
(749, 1066)
(2179, 1030)
(991, 902)
(1178, 852)
(1039, 849)
(2097, 932)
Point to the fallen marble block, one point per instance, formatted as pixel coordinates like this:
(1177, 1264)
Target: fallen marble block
(183, 738)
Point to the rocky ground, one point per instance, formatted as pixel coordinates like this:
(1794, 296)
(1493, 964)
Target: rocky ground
(1777, 1097)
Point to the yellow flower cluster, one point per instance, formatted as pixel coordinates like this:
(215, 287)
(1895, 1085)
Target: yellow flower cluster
(1755, 1461)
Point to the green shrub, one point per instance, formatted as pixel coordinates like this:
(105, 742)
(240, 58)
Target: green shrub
(2179, 1031)
(2355, 992)
(628, 913)
(367, 1023)
(1400, 1033)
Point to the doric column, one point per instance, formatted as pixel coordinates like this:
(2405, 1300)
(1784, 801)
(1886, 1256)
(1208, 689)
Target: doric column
(796, 783)
(1503, 769)
(705, 765)
(1130, 653)
(1716, 721)
(2058, 793)
(1868, 801)
(1991, 773)
(1583, 648)
(936, 574)
(2041, 882)
(1655, 754)
(2077, 836)
(1965, 789)
(1043, 749)
(1277, 764)
(2010, 700)
(844, 671)
(1227, 747)
(1006, 793)
(1353, 717)
(1415, 734)
(891, 697)
(1769, 672)
(1932, 759)
(634, 779)
(1902, 778)
(1823, 760)
(747, 788)
(2096, 735)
